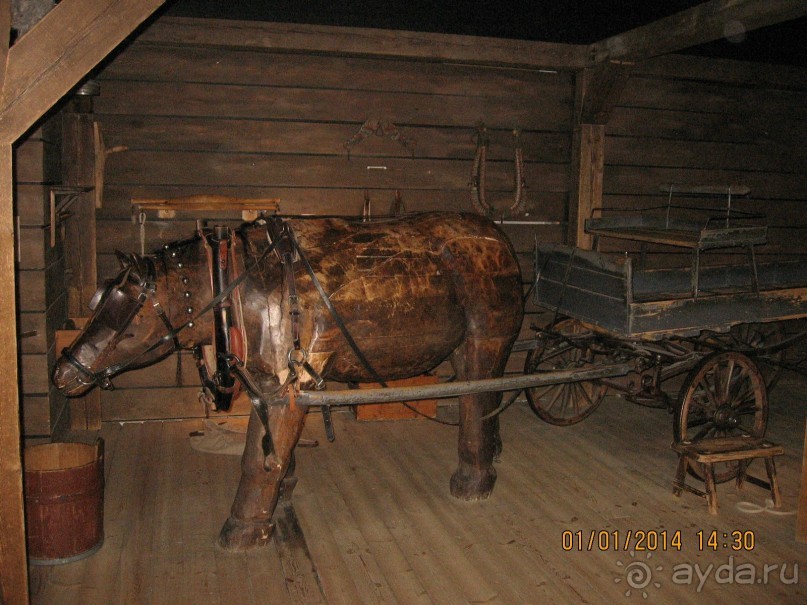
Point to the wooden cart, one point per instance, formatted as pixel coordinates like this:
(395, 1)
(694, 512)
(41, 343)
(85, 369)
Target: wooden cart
(714, 328)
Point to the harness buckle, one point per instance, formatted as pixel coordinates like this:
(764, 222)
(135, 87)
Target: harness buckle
(297, 357)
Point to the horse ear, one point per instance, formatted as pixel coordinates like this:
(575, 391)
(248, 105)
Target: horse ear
(123, 259)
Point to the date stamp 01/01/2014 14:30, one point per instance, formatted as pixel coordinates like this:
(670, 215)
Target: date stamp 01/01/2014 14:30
(657, 540)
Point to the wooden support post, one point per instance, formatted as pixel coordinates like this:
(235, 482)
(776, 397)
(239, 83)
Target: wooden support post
(59, 50)
(801, 522)
(78, 170)
(13, 568)
(13, 556)
(597, 91)
(588, 164)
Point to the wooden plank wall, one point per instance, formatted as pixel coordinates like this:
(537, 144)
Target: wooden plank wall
(709, 121)
(41, 293)
(251, 123)
(213, 116)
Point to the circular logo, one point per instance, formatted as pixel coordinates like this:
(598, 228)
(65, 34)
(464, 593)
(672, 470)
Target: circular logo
(638, 575)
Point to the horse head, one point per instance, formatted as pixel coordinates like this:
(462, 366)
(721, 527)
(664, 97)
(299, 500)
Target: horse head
(162, 302)
(130, 326)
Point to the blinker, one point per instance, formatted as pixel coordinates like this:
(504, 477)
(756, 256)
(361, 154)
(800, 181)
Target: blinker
(108, 286)
(99, 294)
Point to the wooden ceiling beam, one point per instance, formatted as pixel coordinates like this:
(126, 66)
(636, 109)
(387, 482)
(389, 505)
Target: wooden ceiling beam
(60, 50)
(366, 42)
(698, 25)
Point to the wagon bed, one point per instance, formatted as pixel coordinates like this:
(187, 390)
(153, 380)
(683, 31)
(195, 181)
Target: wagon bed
(608, 292)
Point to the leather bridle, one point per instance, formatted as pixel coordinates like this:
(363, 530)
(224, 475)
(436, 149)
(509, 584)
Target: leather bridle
(147, 288)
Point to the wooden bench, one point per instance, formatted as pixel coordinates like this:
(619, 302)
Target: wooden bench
(728, 449)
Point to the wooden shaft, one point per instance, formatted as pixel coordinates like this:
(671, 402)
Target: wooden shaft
(455, 389)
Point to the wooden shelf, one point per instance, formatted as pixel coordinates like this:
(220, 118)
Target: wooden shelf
(250, 208)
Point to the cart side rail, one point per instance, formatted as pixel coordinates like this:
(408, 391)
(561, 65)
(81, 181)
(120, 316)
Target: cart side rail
(583, 284)
(655, 304)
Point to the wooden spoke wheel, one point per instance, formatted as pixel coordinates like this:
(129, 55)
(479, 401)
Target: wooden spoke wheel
(723, 396)
(745, 337)
(566, 403)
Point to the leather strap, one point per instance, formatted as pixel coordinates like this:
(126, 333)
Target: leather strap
(334, 313)
(228, 337)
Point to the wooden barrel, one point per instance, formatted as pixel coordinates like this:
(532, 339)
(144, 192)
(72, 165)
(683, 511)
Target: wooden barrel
(64, 501)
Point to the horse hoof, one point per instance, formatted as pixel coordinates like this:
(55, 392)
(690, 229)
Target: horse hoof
(472, 484)
(238, 536)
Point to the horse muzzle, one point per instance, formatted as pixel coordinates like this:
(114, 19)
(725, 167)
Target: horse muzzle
(68, 379)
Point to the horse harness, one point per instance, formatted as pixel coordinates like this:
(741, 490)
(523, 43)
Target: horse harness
(219, 384)
(229, 342)
(230, 346)
(231, 366)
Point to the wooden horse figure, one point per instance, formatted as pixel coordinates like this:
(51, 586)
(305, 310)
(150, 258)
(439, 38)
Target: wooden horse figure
(302, 301)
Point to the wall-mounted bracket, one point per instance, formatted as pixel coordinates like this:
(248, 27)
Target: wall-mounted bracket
(61, 198)
(380, 128)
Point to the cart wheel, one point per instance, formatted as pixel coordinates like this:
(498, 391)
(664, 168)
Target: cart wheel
(565, 403)
(724, 395)
(757, 336)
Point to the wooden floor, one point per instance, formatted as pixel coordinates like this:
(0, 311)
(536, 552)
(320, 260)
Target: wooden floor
(381, 527)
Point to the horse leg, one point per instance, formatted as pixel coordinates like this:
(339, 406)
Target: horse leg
(478, 439)
(289, 482)
(250, 521)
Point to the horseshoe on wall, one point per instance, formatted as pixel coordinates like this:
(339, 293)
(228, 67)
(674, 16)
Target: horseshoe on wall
(478, 177)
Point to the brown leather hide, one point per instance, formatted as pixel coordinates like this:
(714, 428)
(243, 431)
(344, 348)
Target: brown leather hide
(410, 291)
